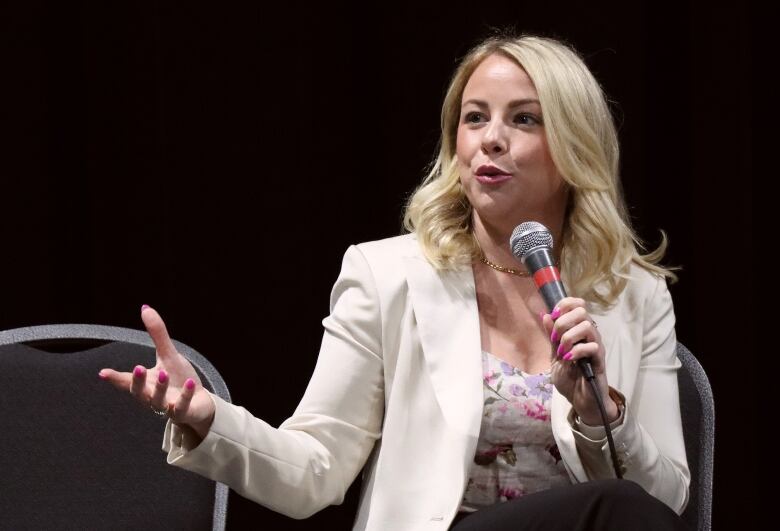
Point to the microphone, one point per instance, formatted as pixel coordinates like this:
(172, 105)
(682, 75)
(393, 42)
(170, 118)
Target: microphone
(532, 244)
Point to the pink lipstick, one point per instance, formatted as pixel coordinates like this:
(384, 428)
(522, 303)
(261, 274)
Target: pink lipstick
(493, 179)
(489, 174)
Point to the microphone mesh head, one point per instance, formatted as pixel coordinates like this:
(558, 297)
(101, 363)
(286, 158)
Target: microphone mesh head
(527, 236)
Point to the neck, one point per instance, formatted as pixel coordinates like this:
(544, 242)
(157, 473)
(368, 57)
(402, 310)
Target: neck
(494, 241)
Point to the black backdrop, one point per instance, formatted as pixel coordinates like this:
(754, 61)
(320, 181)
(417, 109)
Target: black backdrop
(215, 162)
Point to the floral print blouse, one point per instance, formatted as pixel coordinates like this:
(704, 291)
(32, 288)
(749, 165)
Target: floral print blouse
(516, 452)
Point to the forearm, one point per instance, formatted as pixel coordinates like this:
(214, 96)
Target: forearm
(664, 474)
(593, 418)
(285, 470)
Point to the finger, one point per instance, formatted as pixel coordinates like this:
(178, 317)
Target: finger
(567, 321)
(159, 333)
(120, 380)
(185, 398)
(138, 381)
(160, 388)
(583, 350)
(566, 305)
(582, 332)
(560, 308)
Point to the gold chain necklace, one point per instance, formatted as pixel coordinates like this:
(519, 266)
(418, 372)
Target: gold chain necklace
(505, 269)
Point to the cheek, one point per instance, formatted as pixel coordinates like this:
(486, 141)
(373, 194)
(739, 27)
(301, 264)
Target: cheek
(464, 150)
(535, 155)
(545, 154)
(551, 169)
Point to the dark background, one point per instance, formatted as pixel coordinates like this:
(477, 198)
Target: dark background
(215, 162)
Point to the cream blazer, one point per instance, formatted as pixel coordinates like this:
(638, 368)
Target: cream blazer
(397, 393)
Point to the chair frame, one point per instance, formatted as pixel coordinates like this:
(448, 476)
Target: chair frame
(706, 429)
(56, 333)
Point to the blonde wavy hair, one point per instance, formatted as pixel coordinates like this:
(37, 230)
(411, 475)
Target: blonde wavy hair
(598, 242)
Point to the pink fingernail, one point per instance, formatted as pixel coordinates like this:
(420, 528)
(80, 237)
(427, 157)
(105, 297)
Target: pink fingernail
(101, 375)
(162, 377)
(145, 306)
(567, 356)
(555, 314)
(554, 336)
(138, 371)
(190, 384)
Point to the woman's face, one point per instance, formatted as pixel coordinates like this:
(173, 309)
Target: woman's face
(497, 127)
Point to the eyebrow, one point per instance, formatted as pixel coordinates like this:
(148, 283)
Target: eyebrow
(513, 103)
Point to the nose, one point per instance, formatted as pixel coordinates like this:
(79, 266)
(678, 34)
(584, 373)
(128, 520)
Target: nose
(494, 139)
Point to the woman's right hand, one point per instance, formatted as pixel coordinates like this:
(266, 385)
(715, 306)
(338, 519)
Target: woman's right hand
(171, 385)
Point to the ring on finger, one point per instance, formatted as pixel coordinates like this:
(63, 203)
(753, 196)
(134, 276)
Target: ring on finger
(159, 412)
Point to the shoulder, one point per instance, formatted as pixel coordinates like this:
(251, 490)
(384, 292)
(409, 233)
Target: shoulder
(643, 312)
(388, 254)
(643, 280)
(382, 262)
(392, 248)
(643, 289)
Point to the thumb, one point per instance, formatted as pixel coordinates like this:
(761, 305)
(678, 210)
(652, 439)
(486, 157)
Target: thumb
(547, 322)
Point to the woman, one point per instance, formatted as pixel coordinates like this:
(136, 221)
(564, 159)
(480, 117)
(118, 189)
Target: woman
(440, 374)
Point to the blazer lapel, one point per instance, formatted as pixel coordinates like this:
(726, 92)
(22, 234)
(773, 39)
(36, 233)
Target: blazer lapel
(445, 308)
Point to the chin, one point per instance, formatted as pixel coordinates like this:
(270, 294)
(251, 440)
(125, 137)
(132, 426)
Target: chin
(495, 215)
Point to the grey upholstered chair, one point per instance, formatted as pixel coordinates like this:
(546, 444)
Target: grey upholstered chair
(75, 453)
(698, 417)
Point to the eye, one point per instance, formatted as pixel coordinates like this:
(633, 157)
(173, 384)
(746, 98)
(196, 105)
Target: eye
(523, 116)
(470, 116)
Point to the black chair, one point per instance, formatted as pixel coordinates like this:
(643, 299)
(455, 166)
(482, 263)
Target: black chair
(76, 453)
(698, 417)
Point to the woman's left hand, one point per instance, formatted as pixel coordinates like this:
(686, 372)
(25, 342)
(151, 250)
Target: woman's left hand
(567, 324)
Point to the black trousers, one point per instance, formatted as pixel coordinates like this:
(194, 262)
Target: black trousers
(600, 505)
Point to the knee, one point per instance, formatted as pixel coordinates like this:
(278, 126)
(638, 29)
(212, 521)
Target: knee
(620, 490)
(627, 505)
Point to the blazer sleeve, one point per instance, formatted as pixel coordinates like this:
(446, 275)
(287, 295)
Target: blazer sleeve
(649, 442)
(311, 459)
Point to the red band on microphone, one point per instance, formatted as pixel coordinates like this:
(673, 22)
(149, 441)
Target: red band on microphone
(546, 275)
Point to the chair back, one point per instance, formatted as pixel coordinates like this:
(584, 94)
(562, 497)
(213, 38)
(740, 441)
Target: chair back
(76, 453)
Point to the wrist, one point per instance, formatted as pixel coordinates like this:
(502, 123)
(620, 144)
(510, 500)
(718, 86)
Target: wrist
(613, 403)
(202, 428)
(594, 418)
